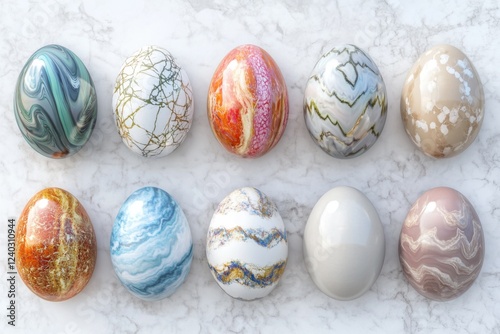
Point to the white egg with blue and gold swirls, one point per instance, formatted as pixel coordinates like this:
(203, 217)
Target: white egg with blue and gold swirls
(247, 247)
(151, 244)
(345, 102)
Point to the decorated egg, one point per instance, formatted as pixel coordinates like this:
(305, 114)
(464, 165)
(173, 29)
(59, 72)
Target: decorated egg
(248, 102)
(247, 247)
(151, 246)
(55, 102)
(56, 246)
(442, 103)
(441, 246)
(153, 103)
(345, 103)
(344, 244)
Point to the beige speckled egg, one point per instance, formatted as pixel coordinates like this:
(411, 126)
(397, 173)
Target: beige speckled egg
(442, 103)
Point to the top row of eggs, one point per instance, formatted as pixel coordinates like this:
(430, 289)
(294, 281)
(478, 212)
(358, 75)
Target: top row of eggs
(345, 102)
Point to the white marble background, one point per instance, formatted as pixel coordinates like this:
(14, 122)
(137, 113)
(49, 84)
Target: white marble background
(295, 173)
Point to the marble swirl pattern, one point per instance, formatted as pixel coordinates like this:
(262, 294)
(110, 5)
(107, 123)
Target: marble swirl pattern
(151, 245)
(247, 244)
(219, 236)
(345, 102)
(441, 245)
(248, 102)
(248, 274)
(249, 200)
(153, 102)
(56, 246)
(55, 102)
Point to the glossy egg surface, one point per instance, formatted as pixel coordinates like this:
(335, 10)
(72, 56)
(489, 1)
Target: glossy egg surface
(441, 246)
(153, 102)
(151, 245)
(247, 248)
(56, 247)
(55, 102)
(442, 103)
(345, 102)
(344, 243)
(248, 102)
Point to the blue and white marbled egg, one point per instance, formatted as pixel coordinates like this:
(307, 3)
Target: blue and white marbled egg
(151, 245)
(247, 248)
(345, 104)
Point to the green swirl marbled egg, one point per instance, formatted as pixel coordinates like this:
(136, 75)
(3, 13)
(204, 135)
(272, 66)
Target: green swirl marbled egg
(55, 102)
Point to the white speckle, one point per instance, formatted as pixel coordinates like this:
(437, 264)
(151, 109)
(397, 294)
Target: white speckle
(465, 88)
(447, 150)
(468, 73)
(444, 59)
(422, 125)
(441, 117)
(444, 129)
(463, 64)
(446, 110)
(429, 106)
(454, 115)
(432, 125)
(457, 75)
(467, 114)
(469, 132)
(417, 139)
(472, 119)
(450, 69)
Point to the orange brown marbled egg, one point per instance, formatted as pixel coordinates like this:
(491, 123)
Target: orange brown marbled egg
(441, 246)
(248, 102)
(56, 246)
(442, 103)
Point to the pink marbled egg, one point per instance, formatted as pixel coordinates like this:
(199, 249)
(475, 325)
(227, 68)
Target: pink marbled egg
(248, 102)
(441, 247)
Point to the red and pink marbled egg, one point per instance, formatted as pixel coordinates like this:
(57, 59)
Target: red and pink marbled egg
(248, 102)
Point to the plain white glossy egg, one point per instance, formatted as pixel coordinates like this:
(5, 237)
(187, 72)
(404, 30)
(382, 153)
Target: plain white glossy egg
(344, 243)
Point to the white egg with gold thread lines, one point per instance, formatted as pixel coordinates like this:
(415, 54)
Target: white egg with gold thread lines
(153, 103)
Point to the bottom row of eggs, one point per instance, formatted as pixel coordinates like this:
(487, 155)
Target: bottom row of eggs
(441, 246)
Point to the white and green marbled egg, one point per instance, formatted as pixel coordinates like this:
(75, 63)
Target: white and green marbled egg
(345, 104)
(152, 103)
